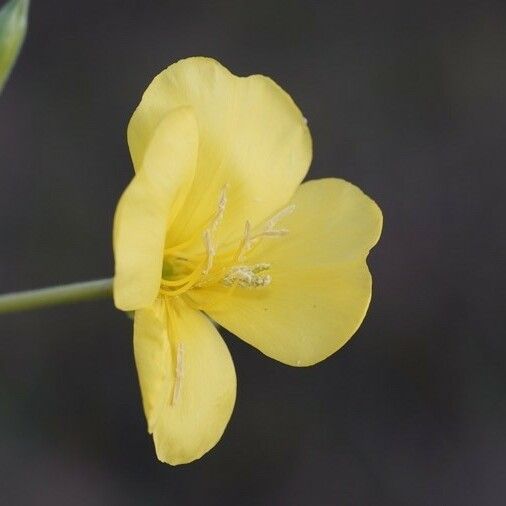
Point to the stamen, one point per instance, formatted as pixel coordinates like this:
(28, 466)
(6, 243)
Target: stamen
(218, 262)
(245, 244)
(210, 252)
(248, 276)
(271, 233)
(192, 279)
(260, 267)
(249, 240)
(269, 226)
(179, 374)
(222, 202)
(169, 283)
(211, 230)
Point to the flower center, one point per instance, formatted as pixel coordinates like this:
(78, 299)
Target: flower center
(219, 263)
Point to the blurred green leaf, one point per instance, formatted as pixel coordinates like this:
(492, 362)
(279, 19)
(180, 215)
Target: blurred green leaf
(13, 23)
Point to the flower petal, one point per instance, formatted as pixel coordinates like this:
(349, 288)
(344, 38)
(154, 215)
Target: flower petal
(187, 380)
(321, 286)
(150, 202)
(253, 139)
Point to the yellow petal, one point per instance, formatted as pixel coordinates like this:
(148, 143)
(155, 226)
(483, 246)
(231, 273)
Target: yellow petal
(153, 358)
(187, 380)
(321, 286)
(253, 139)
(149, 204)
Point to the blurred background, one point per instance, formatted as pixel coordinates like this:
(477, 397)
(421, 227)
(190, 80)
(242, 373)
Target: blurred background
(405, 99)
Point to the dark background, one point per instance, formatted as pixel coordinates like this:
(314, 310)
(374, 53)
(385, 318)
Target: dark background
(405, 99)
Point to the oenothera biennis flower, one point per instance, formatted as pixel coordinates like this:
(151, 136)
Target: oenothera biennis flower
(216, 226)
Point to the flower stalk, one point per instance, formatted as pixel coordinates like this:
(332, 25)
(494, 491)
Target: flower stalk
(13, 24)
(55, 295)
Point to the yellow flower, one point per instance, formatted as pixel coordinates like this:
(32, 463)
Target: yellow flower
(216, 226)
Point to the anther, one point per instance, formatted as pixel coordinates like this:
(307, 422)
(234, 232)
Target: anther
(271, 223)
(211, 230)
(260, 267)
(269, 229)
(246, 244)
(222, 203)
(272, 233)
(179, 374)
(247, 276)
(210, 252)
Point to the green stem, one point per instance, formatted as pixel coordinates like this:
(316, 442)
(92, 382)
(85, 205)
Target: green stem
(55, 295)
